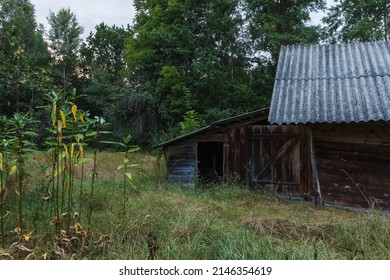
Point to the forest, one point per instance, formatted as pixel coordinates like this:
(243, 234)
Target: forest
(177, 67)
(75, 112)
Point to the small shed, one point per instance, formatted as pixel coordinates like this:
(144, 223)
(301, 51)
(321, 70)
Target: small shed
(340, 94)
(214, 153)
(243, 149)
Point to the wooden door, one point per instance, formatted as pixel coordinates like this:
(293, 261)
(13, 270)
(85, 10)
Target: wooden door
(275, 164)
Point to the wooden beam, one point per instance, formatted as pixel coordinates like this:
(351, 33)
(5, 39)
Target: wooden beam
(220, 137)
(276, 182)
(313, 161)
(272, 136)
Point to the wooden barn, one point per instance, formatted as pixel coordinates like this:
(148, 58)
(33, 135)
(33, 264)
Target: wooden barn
(326, 136)
(214, 153)
(341, 94)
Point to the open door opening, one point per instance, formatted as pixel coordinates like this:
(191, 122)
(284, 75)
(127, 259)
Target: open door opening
(210, 162)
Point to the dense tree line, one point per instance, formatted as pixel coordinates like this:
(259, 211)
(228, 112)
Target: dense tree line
(180, 65)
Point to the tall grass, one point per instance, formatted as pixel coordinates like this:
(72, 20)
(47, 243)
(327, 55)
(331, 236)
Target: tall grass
(180, 223)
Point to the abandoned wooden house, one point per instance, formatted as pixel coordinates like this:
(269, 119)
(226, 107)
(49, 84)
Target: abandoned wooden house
(214, 153)
(326, 135)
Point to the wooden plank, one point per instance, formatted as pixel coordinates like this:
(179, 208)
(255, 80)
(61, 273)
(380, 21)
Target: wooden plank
(220, 137)
(275, 182)
(249, 158)
(225, 163)
(232, 153)
(272, 136)
(274, 159)
(182, 164)
(304, 162)
(242, 166)
(316, 180)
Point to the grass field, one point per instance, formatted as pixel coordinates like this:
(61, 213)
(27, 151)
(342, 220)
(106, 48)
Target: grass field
(163, 221)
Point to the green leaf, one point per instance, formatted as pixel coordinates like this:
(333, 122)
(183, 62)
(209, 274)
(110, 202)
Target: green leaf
(13, 170)
(59, 170)
(30, 133)
(109, 142)
(80, 136)
(120, 166)
(128, 176)
(127, 139)
(133, 149)
(105, 132)
(105, 163)
(61, 155)
(82, 161)
(113, 143)
(91, 133)
(53, 113)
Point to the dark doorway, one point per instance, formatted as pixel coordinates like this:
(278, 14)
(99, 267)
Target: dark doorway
(210, 161)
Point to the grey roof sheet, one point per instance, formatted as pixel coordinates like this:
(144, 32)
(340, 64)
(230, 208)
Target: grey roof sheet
(332, 83)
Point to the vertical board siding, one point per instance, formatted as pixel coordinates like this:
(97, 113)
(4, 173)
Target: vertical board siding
(182, 164)
(354, 163)
(251, 150)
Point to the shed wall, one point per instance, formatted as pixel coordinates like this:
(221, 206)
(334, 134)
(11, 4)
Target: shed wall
(354, 163)
(182, 164)
(271, 157)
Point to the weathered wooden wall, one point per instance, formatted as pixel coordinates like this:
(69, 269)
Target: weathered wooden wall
(182, 164)
(270, 157)
(354, 163)
(353, 160)
(237, 154)
(276, 153)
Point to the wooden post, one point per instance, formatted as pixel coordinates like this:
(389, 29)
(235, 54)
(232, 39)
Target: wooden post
(316, 180)
(225, 165)
(249, 159)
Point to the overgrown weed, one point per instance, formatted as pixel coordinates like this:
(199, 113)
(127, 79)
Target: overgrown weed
(183, 223)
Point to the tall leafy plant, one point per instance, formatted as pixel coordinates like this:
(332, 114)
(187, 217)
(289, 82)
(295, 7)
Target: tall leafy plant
(128, 148)
(20, 131)
(68, 129)
(97, 128)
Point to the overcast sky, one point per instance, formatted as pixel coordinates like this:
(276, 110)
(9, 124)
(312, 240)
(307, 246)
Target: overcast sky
(89, 13)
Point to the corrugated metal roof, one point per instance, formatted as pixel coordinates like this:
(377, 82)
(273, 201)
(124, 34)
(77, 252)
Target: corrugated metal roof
(332, 83)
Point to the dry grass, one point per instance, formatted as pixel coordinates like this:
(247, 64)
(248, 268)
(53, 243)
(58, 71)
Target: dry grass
(210, 223)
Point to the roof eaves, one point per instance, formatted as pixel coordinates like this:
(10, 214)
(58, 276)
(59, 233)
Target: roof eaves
(217, 125)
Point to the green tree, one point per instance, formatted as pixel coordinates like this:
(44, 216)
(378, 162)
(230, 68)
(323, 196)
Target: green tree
(355, 20)
(281, 22)
(173, 95)
(195, 45)
(64, 41)
(102, 66)
(17, 25)
(24, 58)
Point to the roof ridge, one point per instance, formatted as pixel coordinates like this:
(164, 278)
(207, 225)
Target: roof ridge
(332, 78)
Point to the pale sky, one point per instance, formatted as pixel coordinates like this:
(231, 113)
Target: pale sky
(89, 13)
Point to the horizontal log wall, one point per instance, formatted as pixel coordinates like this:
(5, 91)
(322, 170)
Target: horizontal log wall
(354, 163)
